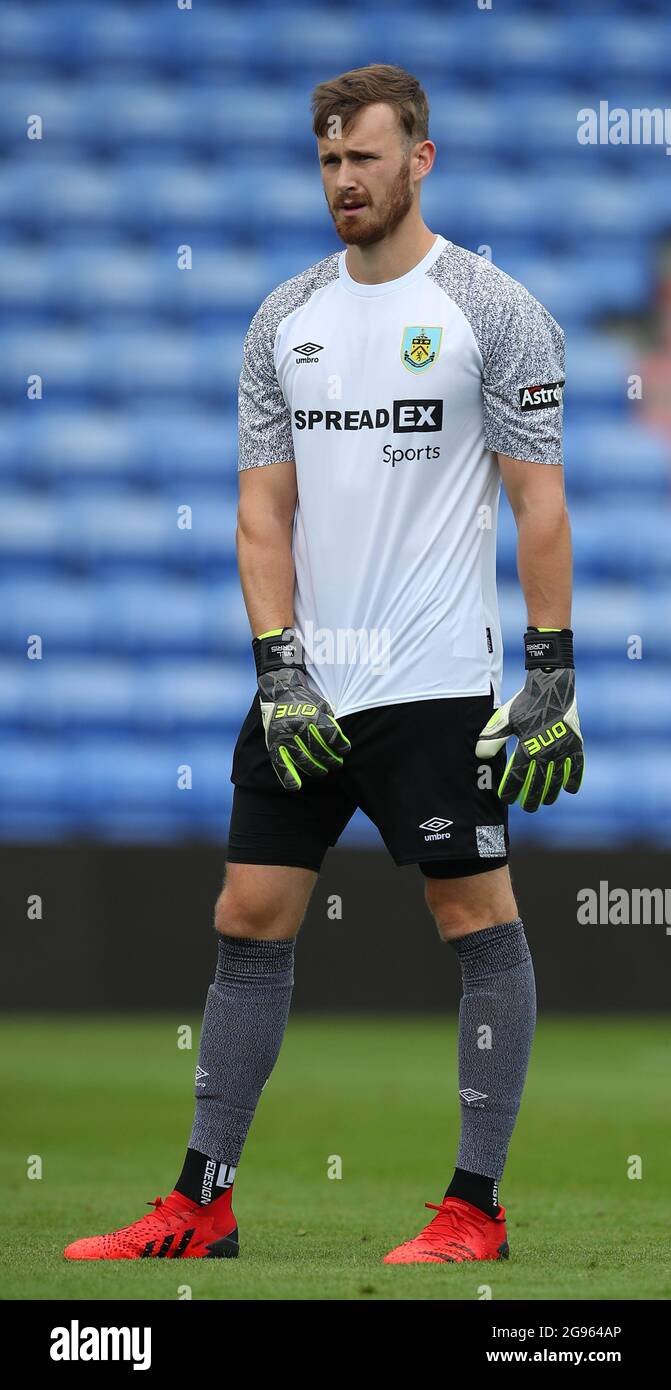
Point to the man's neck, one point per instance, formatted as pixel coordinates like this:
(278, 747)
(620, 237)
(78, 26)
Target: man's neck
(392, 257)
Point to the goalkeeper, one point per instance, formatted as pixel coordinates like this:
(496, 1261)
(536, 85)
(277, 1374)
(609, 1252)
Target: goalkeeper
(387, 393)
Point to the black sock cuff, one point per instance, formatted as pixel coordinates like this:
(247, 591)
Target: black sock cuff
(250, 956)
(480, 1191)
(492, 950)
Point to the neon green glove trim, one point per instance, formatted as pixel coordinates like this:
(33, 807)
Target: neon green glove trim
(548, 779)
(336, 725)
(284, 754)
(298, 740)
(502, 783)
(526, 785)
(276, 632)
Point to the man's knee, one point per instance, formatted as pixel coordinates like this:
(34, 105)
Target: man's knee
(464, 905)
(262, 901)
(251, 915)
(452, 921)
(234, 915)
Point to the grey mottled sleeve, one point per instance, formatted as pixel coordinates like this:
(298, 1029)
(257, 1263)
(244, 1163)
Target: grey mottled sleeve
(264, 420)
(523, 376)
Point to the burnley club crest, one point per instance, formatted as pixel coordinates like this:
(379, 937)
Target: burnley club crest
(420, 348)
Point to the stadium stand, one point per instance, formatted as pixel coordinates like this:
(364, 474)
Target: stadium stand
(164, 128)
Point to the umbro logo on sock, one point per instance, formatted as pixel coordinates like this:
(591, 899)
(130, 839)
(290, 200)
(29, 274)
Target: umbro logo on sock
(200, 1076)
(472, 1097)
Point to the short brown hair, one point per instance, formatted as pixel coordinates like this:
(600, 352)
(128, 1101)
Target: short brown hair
(346, 95)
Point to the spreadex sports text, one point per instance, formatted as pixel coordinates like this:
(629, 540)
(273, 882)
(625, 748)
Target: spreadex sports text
(405, 417)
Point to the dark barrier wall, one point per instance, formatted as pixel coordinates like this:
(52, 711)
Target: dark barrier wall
(132, 929)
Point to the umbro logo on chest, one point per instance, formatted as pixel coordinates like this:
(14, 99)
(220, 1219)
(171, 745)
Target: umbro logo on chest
(307, 352)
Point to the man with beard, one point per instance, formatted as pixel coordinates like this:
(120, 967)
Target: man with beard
(385, 394)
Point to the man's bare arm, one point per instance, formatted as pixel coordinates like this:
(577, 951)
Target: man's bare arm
(263, 541)
(544, 556)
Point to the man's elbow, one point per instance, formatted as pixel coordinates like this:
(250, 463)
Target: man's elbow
(261, 526)
(546, 513)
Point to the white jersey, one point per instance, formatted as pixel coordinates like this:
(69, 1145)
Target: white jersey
(394, 399)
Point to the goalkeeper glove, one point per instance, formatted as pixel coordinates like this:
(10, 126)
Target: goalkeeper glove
(544, 717)
(302, 734)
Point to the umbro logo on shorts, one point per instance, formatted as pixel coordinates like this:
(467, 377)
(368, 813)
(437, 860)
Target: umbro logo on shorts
(438, 827)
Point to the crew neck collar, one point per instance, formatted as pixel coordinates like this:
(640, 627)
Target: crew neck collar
(390, 286)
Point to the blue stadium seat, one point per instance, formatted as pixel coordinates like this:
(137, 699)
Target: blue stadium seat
(127, 525)
(132, 363)
(598, 366)
(626, 46)
(146, 445)
(36, 790)
(583, 287)
(117, 780)
(128, 611)
(603, 455)
(87, 693)
(64, 444)
(64, 611)
(162, 615)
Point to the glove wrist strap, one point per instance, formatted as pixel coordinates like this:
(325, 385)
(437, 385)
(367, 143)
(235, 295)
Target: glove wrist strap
(548, 650)
(278, 652)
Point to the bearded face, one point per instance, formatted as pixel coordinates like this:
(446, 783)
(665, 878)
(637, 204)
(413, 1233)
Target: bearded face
(369, 176)
(362, 218)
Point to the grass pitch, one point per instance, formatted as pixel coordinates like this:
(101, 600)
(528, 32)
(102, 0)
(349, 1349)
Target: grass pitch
(106, 1104)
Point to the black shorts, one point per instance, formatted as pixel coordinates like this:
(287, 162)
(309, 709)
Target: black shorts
(411, 768)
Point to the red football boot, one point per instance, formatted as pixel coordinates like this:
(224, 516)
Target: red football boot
(176, 1229)
(459, 1232)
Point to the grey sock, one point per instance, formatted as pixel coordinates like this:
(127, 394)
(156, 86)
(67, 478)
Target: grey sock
(243, 1027)
(497, 1017)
